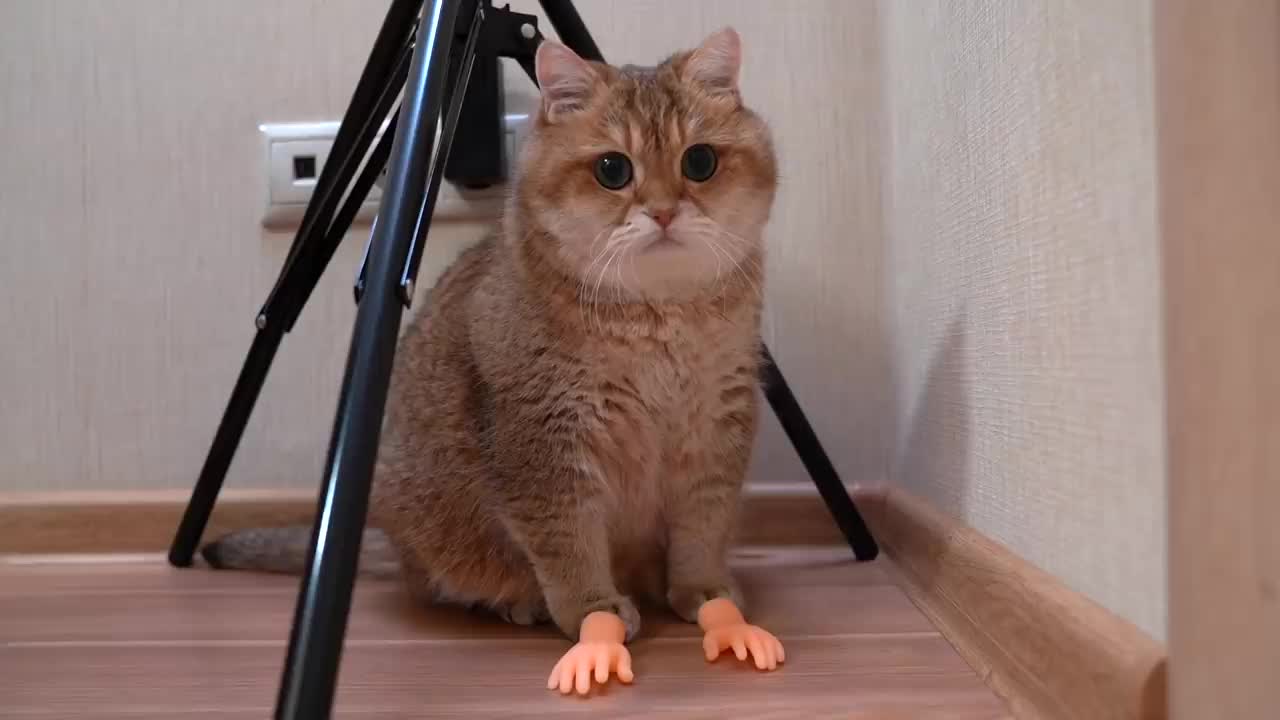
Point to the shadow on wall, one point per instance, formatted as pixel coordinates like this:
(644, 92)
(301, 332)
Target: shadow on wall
(932, 460)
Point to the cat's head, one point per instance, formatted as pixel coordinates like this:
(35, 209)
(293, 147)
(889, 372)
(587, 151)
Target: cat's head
(653, 183)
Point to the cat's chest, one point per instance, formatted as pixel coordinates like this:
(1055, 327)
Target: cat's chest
(653, 399)
(670, 384)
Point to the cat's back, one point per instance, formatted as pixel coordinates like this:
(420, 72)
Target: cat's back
(446, 307)
(434, 359)
(449, 296)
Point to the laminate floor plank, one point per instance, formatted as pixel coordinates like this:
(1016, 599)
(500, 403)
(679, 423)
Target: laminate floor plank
(82, 639)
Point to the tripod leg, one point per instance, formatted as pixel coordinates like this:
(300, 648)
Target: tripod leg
(375, 92)
(324, 599)
(809, 448)
(461, 78)
(225, 441)
(355, 133)
(573, 32)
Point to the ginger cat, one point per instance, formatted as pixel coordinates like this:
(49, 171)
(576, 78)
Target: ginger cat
(572, 415)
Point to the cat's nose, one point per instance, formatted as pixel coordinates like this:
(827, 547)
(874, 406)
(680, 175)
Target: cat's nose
(663, 217)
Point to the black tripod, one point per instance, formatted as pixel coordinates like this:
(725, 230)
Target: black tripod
(440, 52)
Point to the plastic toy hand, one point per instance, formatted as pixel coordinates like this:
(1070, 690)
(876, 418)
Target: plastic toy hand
(598, 653)
(725, 628)
(763, 646)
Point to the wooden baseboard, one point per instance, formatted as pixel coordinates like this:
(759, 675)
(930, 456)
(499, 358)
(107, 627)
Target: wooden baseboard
(133, 521)
(1048, 651)
(144, 521)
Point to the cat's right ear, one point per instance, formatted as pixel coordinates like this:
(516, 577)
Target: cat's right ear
(566, 81)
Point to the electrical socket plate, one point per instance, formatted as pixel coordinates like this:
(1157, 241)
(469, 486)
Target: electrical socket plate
(294, 154)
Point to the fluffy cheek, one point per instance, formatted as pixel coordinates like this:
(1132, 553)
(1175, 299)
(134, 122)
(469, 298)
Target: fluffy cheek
(583, 231)
(560, 197)
(737, 216)
(740, 200)
(581, 218)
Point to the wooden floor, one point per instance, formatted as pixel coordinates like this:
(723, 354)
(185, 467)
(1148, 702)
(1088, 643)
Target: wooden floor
(119, 637)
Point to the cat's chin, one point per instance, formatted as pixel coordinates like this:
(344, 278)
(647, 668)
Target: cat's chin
(670, 270)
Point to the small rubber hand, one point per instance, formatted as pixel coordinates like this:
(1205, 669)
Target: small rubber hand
(600, 651)
(725, 628)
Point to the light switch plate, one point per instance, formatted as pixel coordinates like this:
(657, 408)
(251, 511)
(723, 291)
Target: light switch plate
(295, 153)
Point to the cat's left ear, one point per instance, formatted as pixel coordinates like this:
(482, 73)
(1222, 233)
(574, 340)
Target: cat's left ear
(716, 63)
(567, 82)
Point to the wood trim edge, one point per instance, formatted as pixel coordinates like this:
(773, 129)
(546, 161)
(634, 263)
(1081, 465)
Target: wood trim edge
(1217, 110)
(144, 521)
(1047, 650)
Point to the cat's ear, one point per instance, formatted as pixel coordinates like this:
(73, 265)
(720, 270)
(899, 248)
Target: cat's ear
(716, 63)
(566, 81)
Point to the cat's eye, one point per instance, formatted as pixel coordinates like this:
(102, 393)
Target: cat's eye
(699, 163)
(613, 170)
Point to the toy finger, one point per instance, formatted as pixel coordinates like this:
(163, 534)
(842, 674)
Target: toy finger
(583, 684)
(624, 666)
(757, 651)
(769, 643)
(602, 665)
(554, 678)
(711, 646)
(566, 675)
(769, 651)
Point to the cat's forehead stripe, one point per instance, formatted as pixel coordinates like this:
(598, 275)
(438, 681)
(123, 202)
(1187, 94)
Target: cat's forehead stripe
(647, 115)
(636, 137)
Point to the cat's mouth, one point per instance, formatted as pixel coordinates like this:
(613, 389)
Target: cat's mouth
(662, 242)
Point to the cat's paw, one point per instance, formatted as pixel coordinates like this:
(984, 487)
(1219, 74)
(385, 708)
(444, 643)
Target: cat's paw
(625, 609)
(568, 612)
(590, 660)
(687, 600)
(745, 639)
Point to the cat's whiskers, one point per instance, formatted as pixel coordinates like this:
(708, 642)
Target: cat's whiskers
(621, 284)
(587, 273)
(715, 243)
(708, 241)
(716, 252)
(751, 282)
(585, 277)
(615, 247)
(595, 295)
(741, 241)
(593, 307)
(719, 233)
(627, 241)
(631, 264)
(631, 257)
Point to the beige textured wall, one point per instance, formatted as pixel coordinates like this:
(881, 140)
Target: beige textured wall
(132, 263)
(1023, 275)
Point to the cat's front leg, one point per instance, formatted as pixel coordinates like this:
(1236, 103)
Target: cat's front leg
(706, 469)
(563, 533)
(700, 524)
(701, 588)
(702, 507)
(566, 542)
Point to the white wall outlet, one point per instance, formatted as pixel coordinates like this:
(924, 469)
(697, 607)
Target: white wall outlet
(296, 152)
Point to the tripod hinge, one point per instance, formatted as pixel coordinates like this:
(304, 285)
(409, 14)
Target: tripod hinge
(505, 33)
